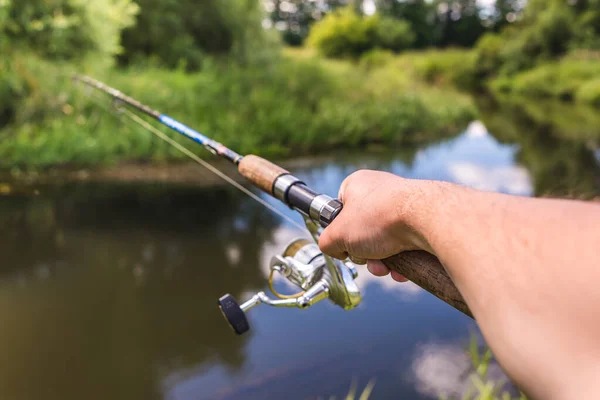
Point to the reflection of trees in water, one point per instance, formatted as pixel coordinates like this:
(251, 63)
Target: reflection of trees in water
(29, 234)
(343, 163)
(134, 279)
(556, 142)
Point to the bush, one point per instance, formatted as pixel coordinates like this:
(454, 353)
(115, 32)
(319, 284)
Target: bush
(376, 58)
(547, 30)
(488, 54)
(587, 35)
(565, 80)
(589, 92)
(177, 33)
(344, 33)
(392, 34)
(455, 67)
(65, 29)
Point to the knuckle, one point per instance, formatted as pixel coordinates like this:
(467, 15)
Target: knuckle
(353, 180)
(360, 174)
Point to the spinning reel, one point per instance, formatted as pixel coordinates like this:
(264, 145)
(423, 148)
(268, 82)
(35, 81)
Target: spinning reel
(303, 264)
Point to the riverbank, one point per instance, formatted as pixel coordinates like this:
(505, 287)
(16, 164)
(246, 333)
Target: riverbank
(291, 107)
(180, 172)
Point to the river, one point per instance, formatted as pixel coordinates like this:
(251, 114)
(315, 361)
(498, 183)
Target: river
(108, 291)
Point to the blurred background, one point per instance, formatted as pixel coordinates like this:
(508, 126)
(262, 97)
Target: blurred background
(114, 249)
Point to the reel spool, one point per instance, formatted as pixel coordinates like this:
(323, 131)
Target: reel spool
(317, 276)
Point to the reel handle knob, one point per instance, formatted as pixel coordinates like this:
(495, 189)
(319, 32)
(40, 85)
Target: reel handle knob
(234, 314)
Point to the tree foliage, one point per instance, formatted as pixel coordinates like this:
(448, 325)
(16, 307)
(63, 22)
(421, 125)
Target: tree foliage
(420, 14)
(175, 32)
(345, 33)
(65, 29)
(547, 30)
(293, 18)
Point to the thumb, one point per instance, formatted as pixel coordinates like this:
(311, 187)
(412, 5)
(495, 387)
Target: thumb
(332, 241)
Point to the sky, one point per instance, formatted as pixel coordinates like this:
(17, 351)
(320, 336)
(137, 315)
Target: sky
(369, 5)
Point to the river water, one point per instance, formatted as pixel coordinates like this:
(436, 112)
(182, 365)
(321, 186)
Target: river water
(108, 291)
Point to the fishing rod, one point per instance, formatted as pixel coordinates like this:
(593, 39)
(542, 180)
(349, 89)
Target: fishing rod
(301, 263)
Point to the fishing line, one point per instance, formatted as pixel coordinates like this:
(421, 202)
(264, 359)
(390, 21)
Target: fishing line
(161, 135)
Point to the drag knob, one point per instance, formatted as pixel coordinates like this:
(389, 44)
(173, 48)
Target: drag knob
(234, 314)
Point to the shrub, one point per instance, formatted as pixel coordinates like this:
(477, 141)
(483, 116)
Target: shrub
(376, 58)
(178, 33)
(589, 92)
(565, 80)
(547, 30)
(344, 33)
(392, 34)
(488, 59)
(65, 29)
(452, 66)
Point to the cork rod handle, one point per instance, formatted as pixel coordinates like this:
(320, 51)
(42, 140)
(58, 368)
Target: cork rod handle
(426, 271)
(260, 172)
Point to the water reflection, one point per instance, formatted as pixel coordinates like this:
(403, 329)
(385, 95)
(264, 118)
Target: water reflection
(558, 143)
(474, 158)
(445, 369)
(105, 291)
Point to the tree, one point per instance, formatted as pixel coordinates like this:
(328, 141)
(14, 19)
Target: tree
(587, 34)
(66, 29)
(346, 33)
(458, 23)
(293, 18)
(505, 12)
(175, 32)
(420, 14)
(544, 32)
(392, 34)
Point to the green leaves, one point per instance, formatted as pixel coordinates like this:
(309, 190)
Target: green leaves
(344, 33)
(183, 33)
(65, 29)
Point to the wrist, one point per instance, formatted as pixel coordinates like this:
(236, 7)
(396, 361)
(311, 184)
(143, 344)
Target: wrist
(421, 210)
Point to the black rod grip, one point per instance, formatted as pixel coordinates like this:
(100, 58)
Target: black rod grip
(300, 197)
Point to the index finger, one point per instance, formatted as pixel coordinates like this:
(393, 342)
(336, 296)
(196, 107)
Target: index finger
(331, 241)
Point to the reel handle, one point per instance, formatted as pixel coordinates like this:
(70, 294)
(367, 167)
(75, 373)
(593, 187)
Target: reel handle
(234, 314)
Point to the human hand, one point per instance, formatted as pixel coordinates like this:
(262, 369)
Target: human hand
(379, 220)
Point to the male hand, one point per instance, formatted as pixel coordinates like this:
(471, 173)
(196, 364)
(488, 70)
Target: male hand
(379, 220)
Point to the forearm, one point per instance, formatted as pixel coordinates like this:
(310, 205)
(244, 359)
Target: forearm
(507, 255)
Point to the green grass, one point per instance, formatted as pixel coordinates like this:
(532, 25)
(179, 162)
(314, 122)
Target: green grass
(589, 92)
(481, 386)
(297, 105)
(452, 67)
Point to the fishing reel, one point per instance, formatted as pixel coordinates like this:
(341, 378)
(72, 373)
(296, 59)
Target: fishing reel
(317, 275)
